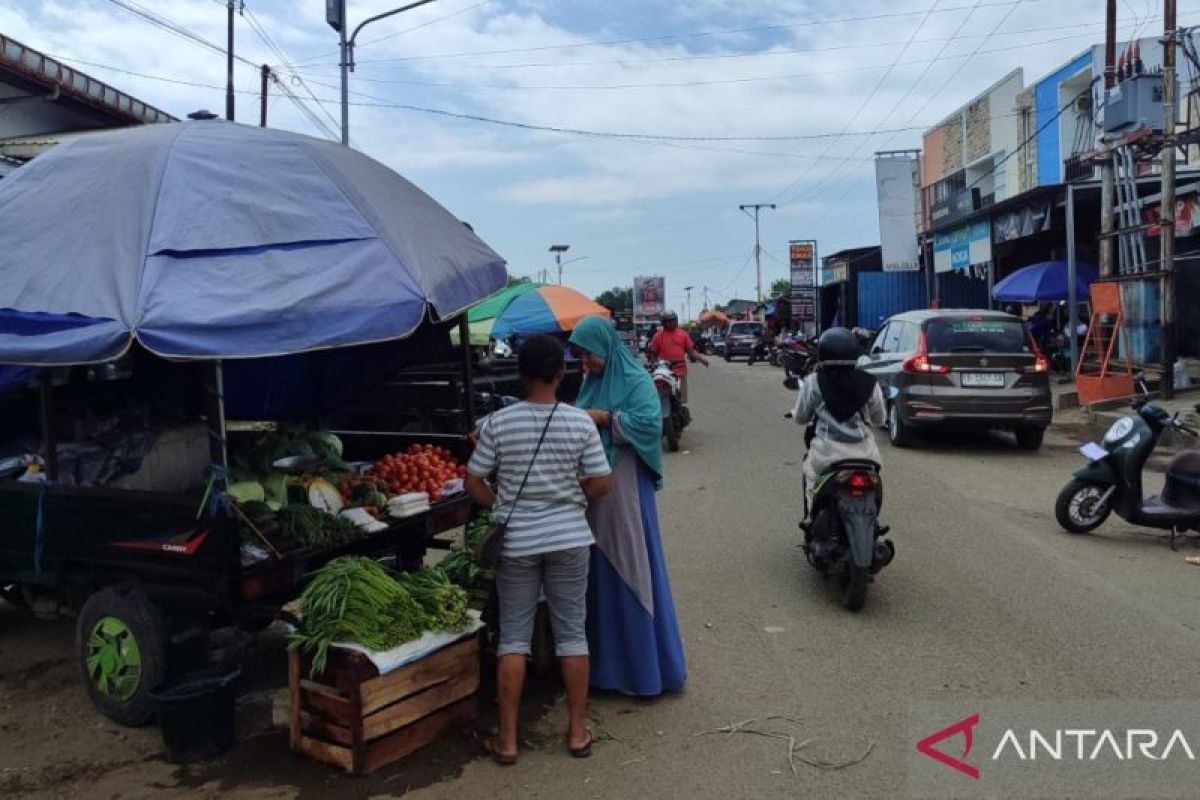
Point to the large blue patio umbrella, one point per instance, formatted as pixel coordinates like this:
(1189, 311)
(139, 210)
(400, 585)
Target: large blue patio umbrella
(213, 240)
(1045, 282)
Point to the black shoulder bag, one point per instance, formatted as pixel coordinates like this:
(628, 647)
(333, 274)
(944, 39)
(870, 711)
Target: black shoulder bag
(488, 551)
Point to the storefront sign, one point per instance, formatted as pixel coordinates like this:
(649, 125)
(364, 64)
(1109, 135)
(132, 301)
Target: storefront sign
(1187, 217)
(803, 257)
(1021, 222)
(963, 247)
(897, 188)
(953, 208)
(649, 296)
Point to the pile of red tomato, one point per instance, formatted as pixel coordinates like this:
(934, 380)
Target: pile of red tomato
(422, 468)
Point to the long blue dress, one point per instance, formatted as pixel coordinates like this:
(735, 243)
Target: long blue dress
(633, 634)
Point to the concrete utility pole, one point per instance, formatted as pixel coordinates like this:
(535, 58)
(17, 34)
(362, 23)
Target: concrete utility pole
(229, 105)
(1107, 188)
(705, 298)
(688, 289)
(266, 82)
(757, 207)
(335, 15)
(1166, 217)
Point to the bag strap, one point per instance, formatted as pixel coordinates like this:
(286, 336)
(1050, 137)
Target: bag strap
(512, 509)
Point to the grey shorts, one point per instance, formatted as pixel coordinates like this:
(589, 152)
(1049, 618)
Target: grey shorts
(563, 577)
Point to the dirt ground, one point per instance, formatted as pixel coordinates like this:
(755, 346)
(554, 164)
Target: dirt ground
(987, 598)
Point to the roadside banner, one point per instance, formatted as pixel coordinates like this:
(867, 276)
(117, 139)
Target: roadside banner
(803, 258)
(897, 184)
(649, 296)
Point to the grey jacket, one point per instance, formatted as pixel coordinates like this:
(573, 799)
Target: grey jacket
(837, 441)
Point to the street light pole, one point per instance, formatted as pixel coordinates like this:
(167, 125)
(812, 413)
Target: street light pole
(558, 250)
(335, 15)
(688, 289)
(757, 207)
(229, 105)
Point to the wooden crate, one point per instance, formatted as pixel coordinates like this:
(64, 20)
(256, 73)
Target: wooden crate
(356, 719)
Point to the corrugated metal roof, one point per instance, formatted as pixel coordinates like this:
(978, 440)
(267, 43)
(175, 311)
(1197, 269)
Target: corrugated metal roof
(39, 68)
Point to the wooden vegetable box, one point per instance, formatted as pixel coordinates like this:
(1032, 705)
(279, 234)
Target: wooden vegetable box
(356, 719)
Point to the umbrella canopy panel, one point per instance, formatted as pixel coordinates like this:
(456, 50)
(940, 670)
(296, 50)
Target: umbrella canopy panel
(215, 240)
(1045, 282)
(550, 309)
(482, 315)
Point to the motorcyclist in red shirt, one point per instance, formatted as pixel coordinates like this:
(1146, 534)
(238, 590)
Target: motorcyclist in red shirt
(674, 345)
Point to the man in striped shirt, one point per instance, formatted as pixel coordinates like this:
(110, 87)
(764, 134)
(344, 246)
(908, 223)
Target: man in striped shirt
(542, 495)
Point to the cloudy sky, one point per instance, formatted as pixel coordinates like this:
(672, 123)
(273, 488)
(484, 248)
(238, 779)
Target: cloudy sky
(728, 102)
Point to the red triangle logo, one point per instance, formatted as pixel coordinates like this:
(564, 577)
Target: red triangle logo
(967, 728)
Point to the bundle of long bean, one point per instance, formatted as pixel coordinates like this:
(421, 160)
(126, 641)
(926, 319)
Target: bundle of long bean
(444, 603)
(354, 599)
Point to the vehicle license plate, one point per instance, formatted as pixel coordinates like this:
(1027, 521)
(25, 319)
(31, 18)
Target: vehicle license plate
(990, 380)
(1093, 452)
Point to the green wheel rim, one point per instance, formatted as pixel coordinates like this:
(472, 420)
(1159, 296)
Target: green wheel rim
(114, 661)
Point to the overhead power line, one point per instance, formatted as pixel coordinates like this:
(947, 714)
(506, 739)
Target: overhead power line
(261, 32)
(701, 57)
(676, 36)
(164, 23)
(862, 107)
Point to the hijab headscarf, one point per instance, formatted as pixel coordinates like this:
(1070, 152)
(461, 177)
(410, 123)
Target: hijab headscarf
(844, 388)
(623, 387)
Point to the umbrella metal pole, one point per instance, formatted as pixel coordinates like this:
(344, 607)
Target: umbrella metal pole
(49, 434)
(468, 371)
(1072, 280)
(214, 401)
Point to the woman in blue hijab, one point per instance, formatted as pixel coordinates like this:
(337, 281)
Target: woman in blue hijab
(633, 635)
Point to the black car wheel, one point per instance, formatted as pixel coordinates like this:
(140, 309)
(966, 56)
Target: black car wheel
(728, 357)
(1030, 437)
(899, 433)
(1082, 507)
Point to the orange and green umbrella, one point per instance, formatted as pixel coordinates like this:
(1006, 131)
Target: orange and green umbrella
(546, 309)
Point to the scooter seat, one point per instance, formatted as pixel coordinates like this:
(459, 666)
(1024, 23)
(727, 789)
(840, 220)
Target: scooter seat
(1161, 507)
(1182, 488)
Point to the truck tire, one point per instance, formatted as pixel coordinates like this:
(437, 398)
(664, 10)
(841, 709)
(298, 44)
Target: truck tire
(121, 639)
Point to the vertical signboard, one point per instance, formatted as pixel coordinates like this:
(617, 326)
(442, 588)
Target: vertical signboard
(897, 189)
(649, 298)
(803, 258)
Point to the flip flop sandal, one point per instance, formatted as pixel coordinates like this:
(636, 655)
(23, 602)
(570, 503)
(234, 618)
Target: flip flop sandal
(489, 748)
(586, 750)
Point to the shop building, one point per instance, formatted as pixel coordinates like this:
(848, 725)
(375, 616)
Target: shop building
(44, 102)
(839, 283)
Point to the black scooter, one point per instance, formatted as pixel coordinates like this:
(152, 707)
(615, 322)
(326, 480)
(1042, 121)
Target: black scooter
(842, 534)
(1112, 480)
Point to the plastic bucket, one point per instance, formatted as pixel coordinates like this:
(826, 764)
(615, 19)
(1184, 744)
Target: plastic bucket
(196, 714)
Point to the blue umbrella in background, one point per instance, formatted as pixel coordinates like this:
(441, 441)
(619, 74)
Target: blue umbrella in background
(1045, 282)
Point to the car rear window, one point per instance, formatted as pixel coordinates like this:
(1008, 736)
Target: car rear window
(975, 335)
(746, 329)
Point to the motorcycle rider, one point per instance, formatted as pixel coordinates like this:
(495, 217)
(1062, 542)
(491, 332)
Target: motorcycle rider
(675, 345)
(842, 404)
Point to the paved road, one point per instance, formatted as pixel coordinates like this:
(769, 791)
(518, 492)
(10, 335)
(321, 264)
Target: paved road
(986, 600)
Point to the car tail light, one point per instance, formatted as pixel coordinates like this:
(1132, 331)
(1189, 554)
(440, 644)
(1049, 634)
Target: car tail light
(920, 362)
(1040, 362)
